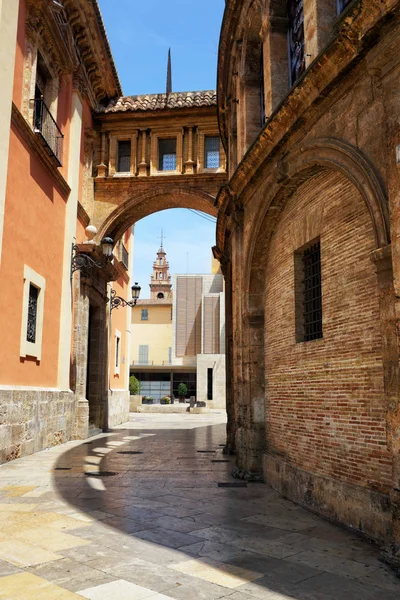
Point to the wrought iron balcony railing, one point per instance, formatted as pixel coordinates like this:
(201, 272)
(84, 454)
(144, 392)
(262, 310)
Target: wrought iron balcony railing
(46, 126)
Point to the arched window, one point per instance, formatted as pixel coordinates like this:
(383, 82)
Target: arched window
(160, 296)
(161, 276)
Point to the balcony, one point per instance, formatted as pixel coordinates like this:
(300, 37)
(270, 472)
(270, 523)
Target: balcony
(45, 125)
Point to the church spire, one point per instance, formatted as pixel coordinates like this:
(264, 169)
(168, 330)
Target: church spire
(160, 281)
(169, 74)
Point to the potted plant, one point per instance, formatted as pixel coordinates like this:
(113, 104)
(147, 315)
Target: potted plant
(182, 392)
(165, 400)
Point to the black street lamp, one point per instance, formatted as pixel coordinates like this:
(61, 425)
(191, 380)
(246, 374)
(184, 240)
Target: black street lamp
(82, 260)
(117, 301)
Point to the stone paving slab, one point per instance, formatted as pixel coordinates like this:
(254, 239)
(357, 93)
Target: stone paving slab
(138, 513)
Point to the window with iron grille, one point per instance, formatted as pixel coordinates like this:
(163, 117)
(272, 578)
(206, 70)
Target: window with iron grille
(124, 157)
(145, 314)
(342, 4)
(211, 152)
(117, 343)
(167, 155)
(297, 59)
(308, 292)
(32, 313)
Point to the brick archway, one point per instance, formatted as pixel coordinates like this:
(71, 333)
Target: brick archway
(155, 200)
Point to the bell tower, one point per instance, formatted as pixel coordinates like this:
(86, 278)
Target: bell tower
(160, 281)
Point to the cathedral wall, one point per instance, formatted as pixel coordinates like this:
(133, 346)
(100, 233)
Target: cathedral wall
(325, 404)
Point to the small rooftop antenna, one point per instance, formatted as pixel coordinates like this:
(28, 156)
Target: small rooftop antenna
(169, 74)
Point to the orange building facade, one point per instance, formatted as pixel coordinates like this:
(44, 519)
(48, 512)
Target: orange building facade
(56, 70)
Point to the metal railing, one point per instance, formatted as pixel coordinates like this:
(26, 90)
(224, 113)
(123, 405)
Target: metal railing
(46, 126)
(124, 257)
(151, 363)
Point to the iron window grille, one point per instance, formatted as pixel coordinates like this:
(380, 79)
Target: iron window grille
(32, 313)
(212, 152)
(297, 58)
(45, 125)
(312, 292)
(145, 314)
(124, 157)
(167, 155)
(117, 351)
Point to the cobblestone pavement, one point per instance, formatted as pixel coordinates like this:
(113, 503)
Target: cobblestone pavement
(145, 512)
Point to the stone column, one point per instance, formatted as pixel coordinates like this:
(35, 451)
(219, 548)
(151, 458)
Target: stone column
(189, 163)
(8, 33)
(275, 60)
(255, 365)
(143, 164)
(102, 167)
(230, 448)
(238, 373)
(390, 357)
(80, 356)
(74, 166)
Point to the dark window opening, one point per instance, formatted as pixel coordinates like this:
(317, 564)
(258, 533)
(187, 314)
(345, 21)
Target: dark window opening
(212, 152)
(167, 155)
(308, 293)
(145, 314)
(297, 58)
(209, 384)
(117, 351)
(32, 313)
(160, 296)
(342, 4)
(124, 157)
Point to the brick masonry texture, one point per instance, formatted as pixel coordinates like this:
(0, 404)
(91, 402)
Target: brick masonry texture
(318, 420)
(325, 408)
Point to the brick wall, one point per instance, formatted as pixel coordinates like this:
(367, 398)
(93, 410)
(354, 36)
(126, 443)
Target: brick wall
(325, 410)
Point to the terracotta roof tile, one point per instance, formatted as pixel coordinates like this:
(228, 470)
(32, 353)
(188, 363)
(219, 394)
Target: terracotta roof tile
(158, 302)
(149, 102)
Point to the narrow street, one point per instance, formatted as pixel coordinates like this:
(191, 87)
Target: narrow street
(150, 511)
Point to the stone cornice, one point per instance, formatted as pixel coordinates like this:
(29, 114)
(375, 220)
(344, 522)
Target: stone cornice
(82, 215)
(73, 35)
(34, 141)
(354, 34)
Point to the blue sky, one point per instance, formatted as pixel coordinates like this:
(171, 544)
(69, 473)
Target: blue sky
(140, 33)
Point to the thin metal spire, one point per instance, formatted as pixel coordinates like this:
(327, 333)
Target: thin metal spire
(169, 73)
(162, 238)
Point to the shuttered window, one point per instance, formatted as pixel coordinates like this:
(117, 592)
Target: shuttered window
(211, 325)
(143, 355)
(144, 314)
(188, 315)
(169, 355)
(124, 157)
